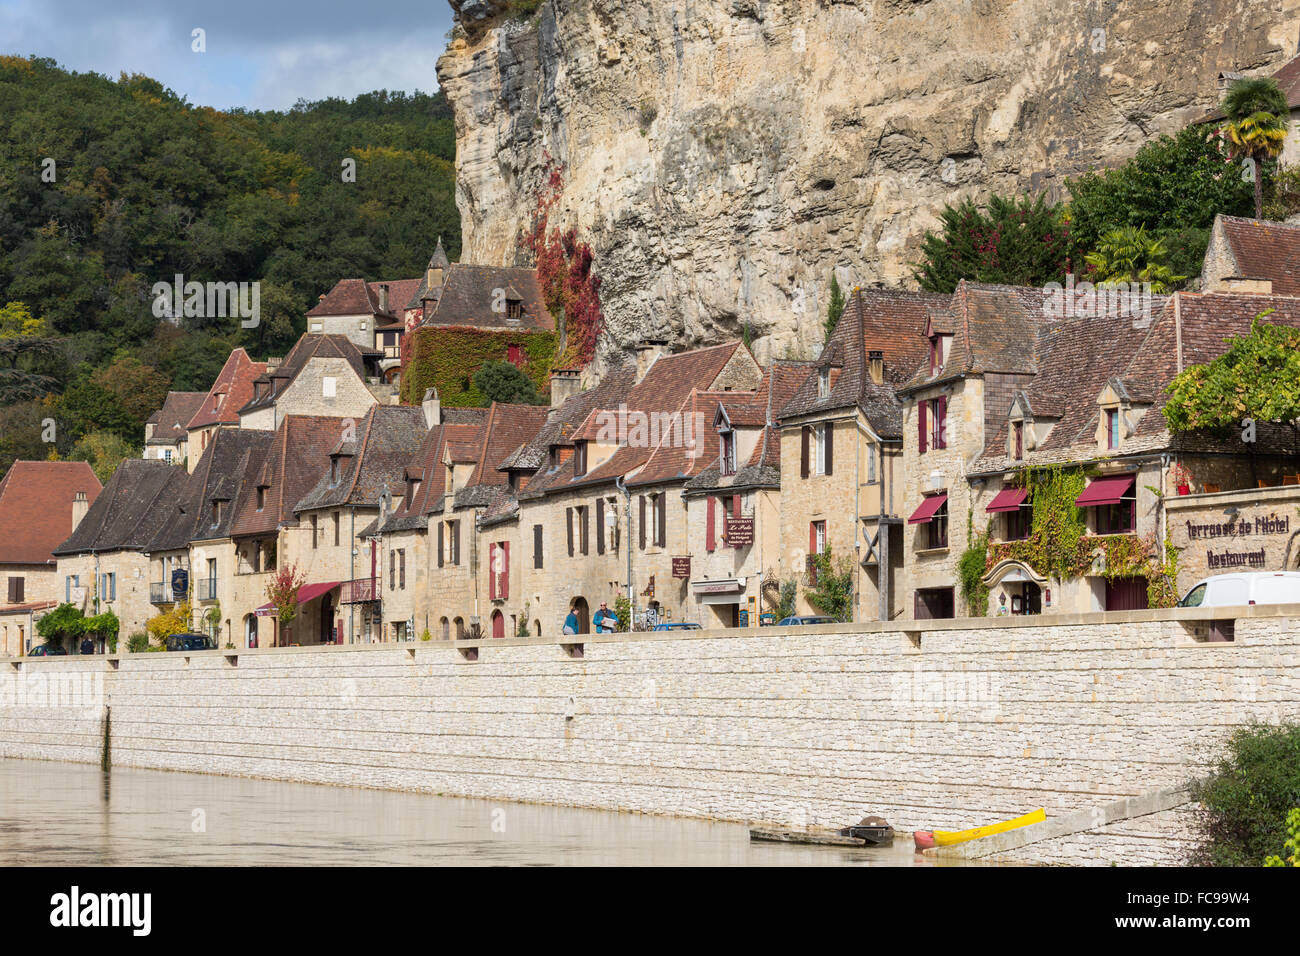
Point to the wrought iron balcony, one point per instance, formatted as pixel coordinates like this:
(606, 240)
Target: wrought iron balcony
(359, 591)
(160, 592)
(205, 589)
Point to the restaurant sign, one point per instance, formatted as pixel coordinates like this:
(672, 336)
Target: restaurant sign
(740, 532)
(1239, 527)
(682, 567)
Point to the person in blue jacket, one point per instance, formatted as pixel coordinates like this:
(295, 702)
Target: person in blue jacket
(606, 621)
(571, 622)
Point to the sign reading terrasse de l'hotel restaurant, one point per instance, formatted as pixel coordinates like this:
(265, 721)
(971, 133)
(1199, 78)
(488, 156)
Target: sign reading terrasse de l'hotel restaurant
(1238, 528)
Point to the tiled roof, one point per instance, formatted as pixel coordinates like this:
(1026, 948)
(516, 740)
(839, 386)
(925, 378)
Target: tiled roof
(1265, 250)
(36, 507)
(170, 421)
(400, 292)
(458, 425)
(308, 347)
(891, 321)
(292, 467)
(235, 382)
(358, 297)
(469, 293)
(231, 456)
(562, 422)
(130, 510)
(386, 440)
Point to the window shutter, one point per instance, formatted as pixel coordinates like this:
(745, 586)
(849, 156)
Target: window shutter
(455, 542)
(709, 522)
(641, 524)
(392, 570)
(662, 505)
(505, 570)
(830, 446)
(941, 422)
(492, 572)
(583, 512)
(442, 530)
(805, 435)
(600, 525)
(537, 546)
(568, 527)
(920, 425)
(401, 568)
(812, 538)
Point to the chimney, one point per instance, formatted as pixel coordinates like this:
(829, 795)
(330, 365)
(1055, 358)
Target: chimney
(80, 505)
(876, 366)
(432, 408)
(647, 353)
(383, 298)
(1243, 285)
(565, 383)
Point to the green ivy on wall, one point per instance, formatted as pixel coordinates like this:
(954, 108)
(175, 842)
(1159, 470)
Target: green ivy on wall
(447, 358)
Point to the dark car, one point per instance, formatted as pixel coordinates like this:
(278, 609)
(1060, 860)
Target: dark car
(191, 642)
(678, 626)
(806, 619)
(46, 650)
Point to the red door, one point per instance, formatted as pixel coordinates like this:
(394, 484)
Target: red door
(1126, 594)
(498, 624)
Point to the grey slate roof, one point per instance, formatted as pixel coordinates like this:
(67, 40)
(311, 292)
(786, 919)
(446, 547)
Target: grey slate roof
(386, 440)
(131, 509)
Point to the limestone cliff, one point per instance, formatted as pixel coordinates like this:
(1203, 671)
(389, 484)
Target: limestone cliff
(723, 156)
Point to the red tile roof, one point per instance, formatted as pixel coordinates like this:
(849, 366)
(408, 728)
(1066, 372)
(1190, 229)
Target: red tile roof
(170, 421)
(291, 468)
(1265, 250)
(36, 507)
(235, 382)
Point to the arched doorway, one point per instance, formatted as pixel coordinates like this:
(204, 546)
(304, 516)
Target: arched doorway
(250, 630)
(583, 613)
(537, 627)
(460, 628)
(327, 619)
(498, 624)
(446, 629)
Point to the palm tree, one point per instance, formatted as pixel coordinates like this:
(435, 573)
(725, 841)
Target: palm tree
(1129, 254)
(1256, 110)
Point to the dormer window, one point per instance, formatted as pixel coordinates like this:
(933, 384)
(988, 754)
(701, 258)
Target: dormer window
(216, 512)
(515, 310)
(1112, 427)
(261, 497)
(579, 459)
(334, 470)
(824, 382)
(217, 399)
(727, 453)
(1018, 440)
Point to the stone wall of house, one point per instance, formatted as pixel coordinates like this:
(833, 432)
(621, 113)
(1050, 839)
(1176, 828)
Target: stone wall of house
(131, 600)
(1263, 522)
(953, 726)
(308, 393)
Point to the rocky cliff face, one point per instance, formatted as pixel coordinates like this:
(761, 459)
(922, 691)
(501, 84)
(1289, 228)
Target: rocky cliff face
(723, 156)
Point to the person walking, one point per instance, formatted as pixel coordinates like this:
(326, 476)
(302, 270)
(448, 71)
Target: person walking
(571, 622)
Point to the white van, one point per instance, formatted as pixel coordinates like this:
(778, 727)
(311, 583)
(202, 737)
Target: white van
(1248, 587)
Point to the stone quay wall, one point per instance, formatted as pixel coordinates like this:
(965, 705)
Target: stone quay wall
(953, 725)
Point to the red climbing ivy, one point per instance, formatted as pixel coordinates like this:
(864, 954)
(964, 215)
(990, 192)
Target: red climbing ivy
(570, 286)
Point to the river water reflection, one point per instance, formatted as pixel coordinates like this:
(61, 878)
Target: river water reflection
(62, 814)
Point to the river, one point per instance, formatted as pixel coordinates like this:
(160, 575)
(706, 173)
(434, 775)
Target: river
(65, 814)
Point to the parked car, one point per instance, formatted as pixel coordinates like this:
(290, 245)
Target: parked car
(191, 642)
(806, 619)
(1247, 587)
(46, 650)
(678, 626)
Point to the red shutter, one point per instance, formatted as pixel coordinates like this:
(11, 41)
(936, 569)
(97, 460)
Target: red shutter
(920, 425)
(600, 525)
(505, 571)
(812, 537)
(442, 528)
(804, 435)
(641, 523)
(492, 572)
(941, 422)
(709, 521)
(830, 447)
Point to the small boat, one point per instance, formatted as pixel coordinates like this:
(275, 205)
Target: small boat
(874, 831)
(927, 839)
(811, 837)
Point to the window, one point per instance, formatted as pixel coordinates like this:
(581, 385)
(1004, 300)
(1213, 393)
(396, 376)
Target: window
(454, 528)
(261, 498)
(216, 512)
(499, 571)
(212, 577)
(660, 513)
(1019, 522)
(1112, 428)
(817, 537)
(937, 528)
(932, 423)
(824, 382)
(16, 588)
(108, 587)
(515, 309)
(334, 470)
(392, 570)
(1117, 518)
(1018, 440)
(69, 583)
(167, 455)
(936, 354)
(579, 459)
(537, 546)
(825, 454)
(315, 326)
(330, 385)
(314, 531)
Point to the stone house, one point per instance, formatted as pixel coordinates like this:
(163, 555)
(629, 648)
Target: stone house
(1248, 256)
(103, 564)
(41, 503)
(231, 390)
(842, 451)
(373, 315)
(323, 375)
(366, 463)
(166, 433)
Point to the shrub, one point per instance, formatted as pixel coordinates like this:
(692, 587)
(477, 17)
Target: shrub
(137, 643)
(1245, 800)
(833, 593)
(503, 382)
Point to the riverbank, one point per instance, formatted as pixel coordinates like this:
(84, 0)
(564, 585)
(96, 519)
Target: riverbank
(950, 725)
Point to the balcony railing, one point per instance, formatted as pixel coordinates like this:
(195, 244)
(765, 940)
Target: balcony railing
(392, 351)
(359, 591)
(205, 589)
(160, 592)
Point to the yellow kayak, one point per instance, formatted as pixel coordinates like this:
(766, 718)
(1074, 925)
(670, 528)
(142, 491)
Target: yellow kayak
(929, 838)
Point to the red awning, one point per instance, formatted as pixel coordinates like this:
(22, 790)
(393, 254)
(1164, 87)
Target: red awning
(1008, 499)
(1105, 491)
(928, 508)
(306, 593)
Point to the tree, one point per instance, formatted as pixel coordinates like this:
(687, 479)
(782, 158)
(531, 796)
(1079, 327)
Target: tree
(1019, 241)
(282, 592)
(173, 621)
(1258, 377)
(1129, 255)
(503, 382)
(832, 594)
(1256, 110)
(65, 621)
(104, 451)
(22, 336)
(836, 307)
(140, 389)
(1246, 799)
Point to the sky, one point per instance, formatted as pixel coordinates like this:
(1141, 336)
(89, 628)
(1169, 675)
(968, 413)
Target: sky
(259, 55)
